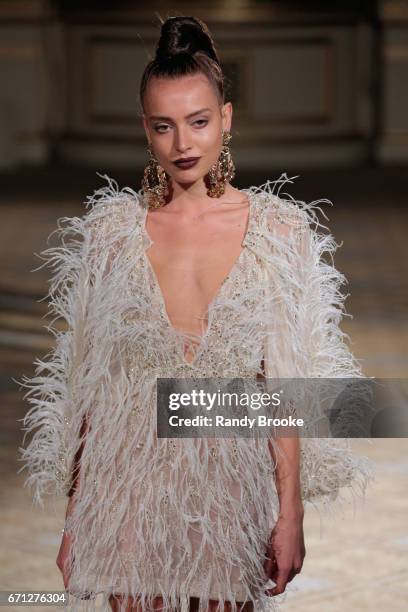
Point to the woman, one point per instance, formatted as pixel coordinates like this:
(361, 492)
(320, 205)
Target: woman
(190, 277)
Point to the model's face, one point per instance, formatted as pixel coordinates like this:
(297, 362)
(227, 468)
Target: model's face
(183, 118)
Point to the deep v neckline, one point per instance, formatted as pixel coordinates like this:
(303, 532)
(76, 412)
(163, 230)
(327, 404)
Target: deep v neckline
(201, 338)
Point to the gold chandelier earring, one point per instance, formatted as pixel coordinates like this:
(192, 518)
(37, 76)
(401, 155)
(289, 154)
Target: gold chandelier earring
(155, 182)
(223, 171)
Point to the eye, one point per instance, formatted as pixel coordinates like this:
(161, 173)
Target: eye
(159, 126)
(201, 121)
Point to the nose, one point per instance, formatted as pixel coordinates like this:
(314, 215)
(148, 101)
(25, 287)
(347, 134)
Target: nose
(181, 143)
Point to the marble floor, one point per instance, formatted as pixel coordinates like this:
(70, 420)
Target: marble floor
(356, 560)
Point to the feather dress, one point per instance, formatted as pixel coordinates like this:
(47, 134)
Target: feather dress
(179, 518)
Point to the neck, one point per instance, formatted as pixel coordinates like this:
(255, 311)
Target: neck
(193, 196)
(188, 191)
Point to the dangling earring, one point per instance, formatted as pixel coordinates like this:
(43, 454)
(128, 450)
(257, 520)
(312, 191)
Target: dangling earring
(223, 171)
(155, 182)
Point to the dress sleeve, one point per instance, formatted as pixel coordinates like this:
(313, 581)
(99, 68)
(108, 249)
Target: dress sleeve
(64, 392)
(320, 307)
(312, 343)
(55, 418)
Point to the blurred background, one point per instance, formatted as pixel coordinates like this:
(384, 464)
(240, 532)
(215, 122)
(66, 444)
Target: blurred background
(320, 91)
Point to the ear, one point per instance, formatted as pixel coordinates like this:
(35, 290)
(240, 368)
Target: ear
(226, 116)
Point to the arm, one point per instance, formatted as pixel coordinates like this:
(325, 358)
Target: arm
(286, 550)
(54, 392)
(307, 342)
(61, 392)
(287, 475)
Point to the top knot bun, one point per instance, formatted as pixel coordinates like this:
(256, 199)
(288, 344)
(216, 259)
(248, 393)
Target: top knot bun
(184, 36)
(185, 48)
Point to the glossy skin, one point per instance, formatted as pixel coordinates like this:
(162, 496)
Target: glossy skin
(196, 241)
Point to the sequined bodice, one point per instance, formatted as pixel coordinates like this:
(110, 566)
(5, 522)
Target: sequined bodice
(231, 344)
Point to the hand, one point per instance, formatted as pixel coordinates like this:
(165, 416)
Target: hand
(286, 551)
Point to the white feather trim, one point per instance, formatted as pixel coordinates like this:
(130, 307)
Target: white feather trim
(133, 532)
(305, 339)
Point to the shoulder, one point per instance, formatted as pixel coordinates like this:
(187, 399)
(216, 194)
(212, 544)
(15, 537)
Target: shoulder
(84, 243)
(285, 215)
(112, 210)
(112, 217)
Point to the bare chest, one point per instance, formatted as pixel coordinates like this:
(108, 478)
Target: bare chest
(190, 261)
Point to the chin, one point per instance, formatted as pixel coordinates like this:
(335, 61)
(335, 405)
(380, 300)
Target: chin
(188, 180)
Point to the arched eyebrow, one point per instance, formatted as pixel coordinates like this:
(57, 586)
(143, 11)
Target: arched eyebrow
(156, 117)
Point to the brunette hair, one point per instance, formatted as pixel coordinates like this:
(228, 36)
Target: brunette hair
(185, 47)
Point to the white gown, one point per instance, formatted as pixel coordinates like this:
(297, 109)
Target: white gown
(180, 518)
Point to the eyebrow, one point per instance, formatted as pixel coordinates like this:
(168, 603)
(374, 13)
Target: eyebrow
(186, 117)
